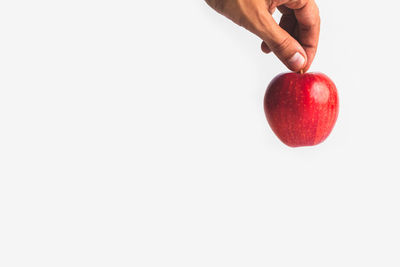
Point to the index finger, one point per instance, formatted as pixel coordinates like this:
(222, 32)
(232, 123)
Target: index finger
(308, 26)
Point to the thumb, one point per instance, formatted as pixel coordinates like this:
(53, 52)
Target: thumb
(284, 46)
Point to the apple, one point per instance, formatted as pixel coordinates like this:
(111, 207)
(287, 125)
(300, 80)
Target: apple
(301, 108)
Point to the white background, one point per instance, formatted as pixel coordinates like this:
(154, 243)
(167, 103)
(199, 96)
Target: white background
(132, 133)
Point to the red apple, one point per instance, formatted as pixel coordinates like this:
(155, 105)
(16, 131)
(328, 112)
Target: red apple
(301, 108)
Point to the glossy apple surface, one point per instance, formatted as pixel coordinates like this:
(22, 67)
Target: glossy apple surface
(301, 108)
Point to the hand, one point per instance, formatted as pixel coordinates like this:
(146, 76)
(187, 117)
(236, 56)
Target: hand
(294, 41)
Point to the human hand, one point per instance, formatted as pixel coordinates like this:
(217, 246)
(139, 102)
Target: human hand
(294, 41)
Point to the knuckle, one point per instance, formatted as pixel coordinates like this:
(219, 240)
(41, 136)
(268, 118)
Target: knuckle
(281, 46)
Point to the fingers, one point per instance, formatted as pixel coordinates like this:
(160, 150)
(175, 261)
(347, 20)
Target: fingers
(302, 22)
(294, 41)
(288, 23)
(308, 29)
(284, 46)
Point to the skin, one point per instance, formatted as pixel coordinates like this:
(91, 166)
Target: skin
(294, 41)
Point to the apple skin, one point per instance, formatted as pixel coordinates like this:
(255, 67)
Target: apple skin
(301, 108)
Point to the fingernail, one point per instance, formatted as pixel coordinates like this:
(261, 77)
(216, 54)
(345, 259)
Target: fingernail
(296, 62)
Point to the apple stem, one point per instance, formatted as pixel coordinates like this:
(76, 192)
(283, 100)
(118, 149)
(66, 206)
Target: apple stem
(301, 71)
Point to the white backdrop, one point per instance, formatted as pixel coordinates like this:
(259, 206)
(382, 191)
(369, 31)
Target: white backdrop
(132, 133)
